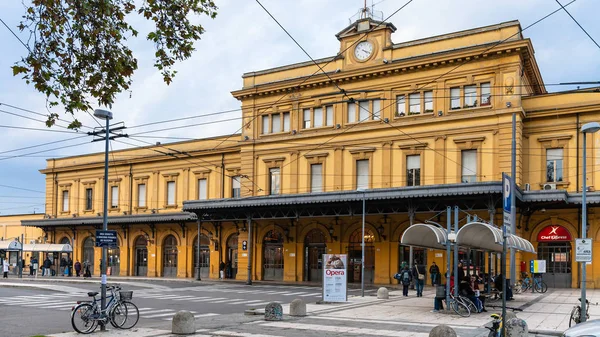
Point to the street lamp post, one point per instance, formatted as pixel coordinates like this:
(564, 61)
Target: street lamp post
(362, 273)
(107, 116)
(585, 129)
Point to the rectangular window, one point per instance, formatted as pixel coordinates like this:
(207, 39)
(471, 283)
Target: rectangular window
(470, 96)
(316, 178)
(554, 165)
(363, 111)
(400, 106)
(265, 125)
(114, 196)
(276, 123)
(486, 93)
(65, 201)
(351, 112)
(141, 195)
(428, 101)
(170, 193)
(318, 117)
(413, 170)
(202, 192)
(236, 187)
(414, 104)
(376, 109)
(454, 98)
(362, 174)
(275, 176)
(329, 115)
(89, 199)
(469, 166)
(306, 119)
(286, 122)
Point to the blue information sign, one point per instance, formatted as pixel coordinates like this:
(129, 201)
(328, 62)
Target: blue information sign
(106, 238)
(507, 205)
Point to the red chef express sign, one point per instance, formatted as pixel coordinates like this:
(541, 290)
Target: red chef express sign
(554, 233)
(335, 278)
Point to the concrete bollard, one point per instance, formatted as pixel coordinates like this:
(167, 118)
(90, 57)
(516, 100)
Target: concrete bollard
(442, 331)
(509, 315)
(382, 293)
(184, 323)
(273, 312)
(516, 327)
(297, 308)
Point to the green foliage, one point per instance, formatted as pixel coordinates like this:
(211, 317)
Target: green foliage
(79, 53)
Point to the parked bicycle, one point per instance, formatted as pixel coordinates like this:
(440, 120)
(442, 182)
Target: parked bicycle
(576, 313)
(462, 306)
(537, 284)
(496, 328)
(119, 311)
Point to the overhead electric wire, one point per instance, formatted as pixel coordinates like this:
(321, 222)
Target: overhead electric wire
(15, 35)
(57, 148)
(21, 189)
(37, 113)
(578, 24)
(44, 144)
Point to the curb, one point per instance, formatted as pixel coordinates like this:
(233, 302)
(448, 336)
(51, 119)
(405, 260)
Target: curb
(546, 332)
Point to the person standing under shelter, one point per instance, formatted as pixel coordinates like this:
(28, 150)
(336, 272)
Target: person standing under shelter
(434, 271)
(418, 273)
(77, 268)
(47, 266)
(34, 265)
(222, 270)
(5, 268)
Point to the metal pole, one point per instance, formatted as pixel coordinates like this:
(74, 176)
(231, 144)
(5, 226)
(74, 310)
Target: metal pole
(583, 230)
(21, 261)
(456, 280)
(503, 267)
(362, 274)
(250, 247)
(105, 221)
(513, 206)
(448, 243)
(198, 252)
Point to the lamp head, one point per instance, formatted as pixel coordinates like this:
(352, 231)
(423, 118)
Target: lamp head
(591, 127)
(103, 114)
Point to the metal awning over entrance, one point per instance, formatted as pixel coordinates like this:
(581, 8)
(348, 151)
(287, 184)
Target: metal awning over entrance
(425, 236)
(10, 245)
(479, 235)
(48, 247)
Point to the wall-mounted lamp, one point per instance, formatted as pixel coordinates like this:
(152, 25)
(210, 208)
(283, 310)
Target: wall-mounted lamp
(294, 132)
(286, 232)
(440, 113)
(381, 230)
(452, 236)
(508, 104)
(125, 213)
(402, 114)
(386, 61)
(337, 126)
(337, 70)
(331, 231)
(246, 137)
(99, 214)
(386, 120)
(153, 211)
(74, 215)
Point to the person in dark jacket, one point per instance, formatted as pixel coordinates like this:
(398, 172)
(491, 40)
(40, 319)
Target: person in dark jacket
(70, 266)
(418, 273)
(47, 266)
(405, 278)
(434, 271)
(77, 268)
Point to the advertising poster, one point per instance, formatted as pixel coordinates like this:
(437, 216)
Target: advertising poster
(537, 266)
(335, 278)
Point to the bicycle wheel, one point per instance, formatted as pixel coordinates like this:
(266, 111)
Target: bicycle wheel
(124, 315)
(82, 318)
(544, 287)
(460, 308)
(468, 303)
(575, 316)
(518, 287)
(541, 287)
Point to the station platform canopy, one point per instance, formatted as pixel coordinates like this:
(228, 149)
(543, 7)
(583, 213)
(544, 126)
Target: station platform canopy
(10, 245)
(48, 247)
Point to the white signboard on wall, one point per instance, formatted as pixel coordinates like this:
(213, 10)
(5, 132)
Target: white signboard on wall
(335, 278)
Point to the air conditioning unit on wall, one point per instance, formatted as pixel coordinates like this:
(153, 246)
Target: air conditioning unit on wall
(549, 186)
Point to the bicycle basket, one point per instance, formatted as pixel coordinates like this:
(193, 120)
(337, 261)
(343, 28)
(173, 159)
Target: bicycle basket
(126, 295)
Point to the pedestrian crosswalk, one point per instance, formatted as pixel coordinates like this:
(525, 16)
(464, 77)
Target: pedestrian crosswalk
(63, 301)
(167, 314)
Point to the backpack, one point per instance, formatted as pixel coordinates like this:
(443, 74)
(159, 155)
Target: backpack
(405, 277)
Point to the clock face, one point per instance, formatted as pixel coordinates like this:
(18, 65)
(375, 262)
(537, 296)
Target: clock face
(363, 50)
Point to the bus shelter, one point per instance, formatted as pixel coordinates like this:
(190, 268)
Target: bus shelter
(52, 251)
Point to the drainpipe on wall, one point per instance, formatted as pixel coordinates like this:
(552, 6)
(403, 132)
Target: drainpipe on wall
(130, 212)
(222, 176)
(577, 147)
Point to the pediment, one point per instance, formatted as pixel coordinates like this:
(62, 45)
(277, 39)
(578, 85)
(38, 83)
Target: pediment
(363, 26)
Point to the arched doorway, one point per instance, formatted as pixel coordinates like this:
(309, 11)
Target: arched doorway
(141, 256)
(554, 246)
(231, 264)
(273, 256)
(204, 256)
(88, 254)
(114, 261)
(355, 256)
(170, 257)
(315, 245)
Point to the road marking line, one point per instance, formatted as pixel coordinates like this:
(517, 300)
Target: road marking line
(240, 334)
(56, 306)
(292, 294)
(311, 294)
(189, 298)
(209, 299)
(159, 315)
(261, 303)
(145, 309)
(163, 310)
(242, 302)
(345, 329)
(228, 300)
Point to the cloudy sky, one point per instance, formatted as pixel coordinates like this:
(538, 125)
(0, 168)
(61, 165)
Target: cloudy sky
(244, 38)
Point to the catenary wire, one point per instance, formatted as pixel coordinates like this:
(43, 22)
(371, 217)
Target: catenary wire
(578, 24)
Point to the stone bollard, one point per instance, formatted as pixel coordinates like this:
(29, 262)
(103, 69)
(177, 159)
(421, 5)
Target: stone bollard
(297, 308)
(516, 327)
(442, 331)
(382, 293)
(509, 315)
(184, 323)
(273, 312)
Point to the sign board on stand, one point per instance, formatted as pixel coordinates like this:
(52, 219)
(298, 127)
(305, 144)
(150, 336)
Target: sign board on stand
(537, 266)
(106, 238)
(507, 205)
(583, 250)
(335, 278)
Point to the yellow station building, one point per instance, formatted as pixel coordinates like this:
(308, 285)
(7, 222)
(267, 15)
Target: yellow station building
(410, 127)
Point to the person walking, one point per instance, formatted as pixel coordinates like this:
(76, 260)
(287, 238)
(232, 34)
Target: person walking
(77, 268)
(63, 265)
(70, 266)
(405, 278)
(221, 270)
(47, 266)
(5, 268)
(418, 273)
(35, 265)
(434, 271)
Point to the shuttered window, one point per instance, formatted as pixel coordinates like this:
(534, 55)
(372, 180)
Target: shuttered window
(469, 166)
(202, 193)
(141, 195)
(316, 178)
(170, 193)
(413, 170)
(362, 174)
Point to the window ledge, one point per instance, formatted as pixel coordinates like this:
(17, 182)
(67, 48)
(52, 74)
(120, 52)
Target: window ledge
(419, 115)
(143, 209)
(85, 211)
(317, 128)
(64, 212)
(275, 134)
(475, 108)
(171, 206)
(113, 210)
(370, 121)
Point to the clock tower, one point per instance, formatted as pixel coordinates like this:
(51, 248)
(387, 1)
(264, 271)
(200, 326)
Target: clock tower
(366, 42)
